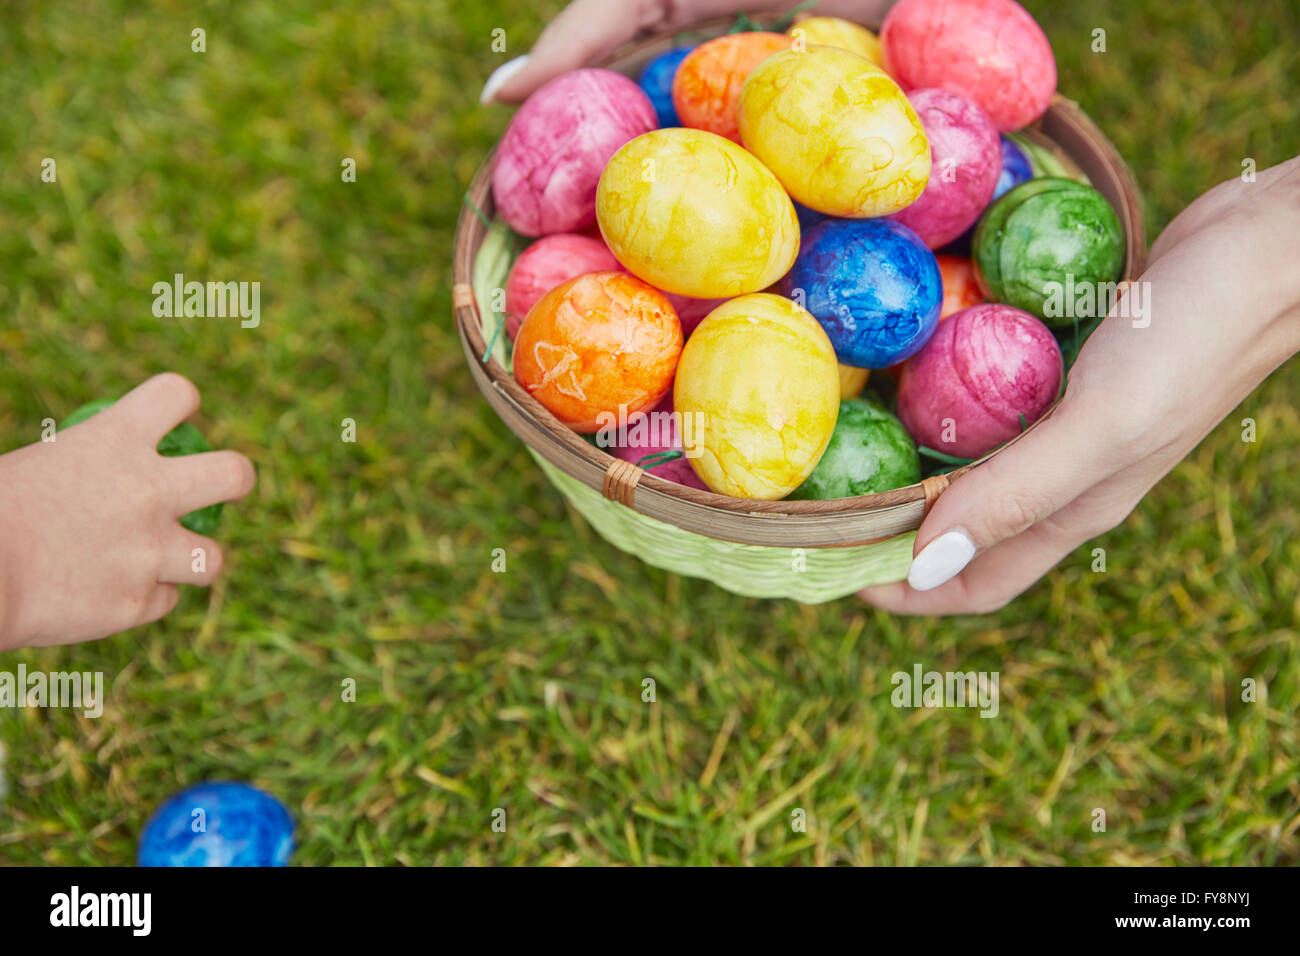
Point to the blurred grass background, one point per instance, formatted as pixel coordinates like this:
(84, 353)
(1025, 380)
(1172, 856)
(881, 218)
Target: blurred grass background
(522, 690)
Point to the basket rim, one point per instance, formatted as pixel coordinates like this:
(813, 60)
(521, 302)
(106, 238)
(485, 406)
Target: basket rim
(706, 512)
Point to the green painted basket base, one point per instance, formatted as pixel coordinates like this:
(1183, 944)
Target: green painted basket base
(812, 575)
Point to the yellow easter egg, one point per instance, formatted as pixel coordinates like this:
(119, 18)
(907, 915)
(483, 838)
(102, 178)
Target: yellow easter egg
(837, 131)
(852, 380)
(758, 386)
(692, 213)
(844, 34)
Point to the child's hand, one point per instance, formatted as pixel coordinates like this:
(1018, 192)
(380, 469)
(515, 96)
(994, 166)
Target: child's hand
(90, 543)
(1223, 302)
(587, 31)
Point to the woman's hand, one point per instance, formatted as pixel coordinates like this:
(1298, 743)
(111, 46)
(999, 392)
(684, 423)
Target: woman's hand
(1222, 296)
(590, 30)
(90, 542)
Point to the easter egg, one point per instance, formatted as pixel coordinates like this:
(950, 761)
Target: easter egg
(691, 312)
(706, 89)
(992, 51)
(852, 380)
(761, 375)
(657, 82)
(961, 289)
(242, 826)
(545, 264)
(656, 433)
(869, 451)
(965, 162)
(551, 156)
(872, 284)
(595, 344)
(1050, 246)
(1016, 168)
(843, 34)
(984, 368)
(837, 131)
(694, 214)
(184, 439)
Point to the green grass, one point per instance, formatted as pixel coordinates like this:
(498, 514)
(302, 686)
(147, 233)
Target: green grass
(522, 690)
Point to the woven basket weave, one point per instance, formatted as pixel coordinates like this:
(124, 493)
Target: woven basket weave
(811, 551)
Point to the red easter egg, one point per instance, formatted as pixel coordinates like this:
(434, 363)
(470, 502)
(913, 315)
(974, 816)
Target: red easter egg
(597, 343)
(545, 264)
(983, 369)
(992, 51)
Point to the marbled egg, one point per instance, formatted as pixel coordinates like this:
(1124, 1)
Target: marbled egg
(965, 159)
(653, 434)
(842, 34)
(992, 51)
(657, 82)
(872, 284)
(706, 89)
(1016, 168)
(595, 344)
(694, 214)
(984, 368)
(837, 131)
(761, 375)
(545, 264)
(1053, 247)
(961, 289)
(552, 154)
(869, 452)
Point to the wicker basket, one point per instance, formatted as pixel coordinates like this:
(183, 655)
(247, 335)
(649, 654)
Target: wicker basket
(811, 551)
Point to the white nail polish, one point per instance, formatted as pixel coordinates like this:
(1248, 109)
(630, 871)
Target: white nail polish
(500, 76)
(941, 560)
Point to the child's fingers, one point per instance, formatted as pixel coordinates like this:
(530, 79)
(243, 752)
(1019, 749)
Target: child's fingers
(190, 559)
(160, 602)
(155, 407)
(196, 481)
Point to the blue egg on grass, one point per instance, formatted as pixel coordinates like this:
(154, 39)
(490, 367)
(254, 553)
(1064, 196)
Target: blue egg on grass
(657, 81)
(218, 824)
(872, 284)
(1015, 169)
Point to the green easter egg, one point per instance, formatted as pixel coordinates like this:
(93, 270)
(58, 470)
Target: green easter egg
(184, 439)
(1035, 246)
(870, 451)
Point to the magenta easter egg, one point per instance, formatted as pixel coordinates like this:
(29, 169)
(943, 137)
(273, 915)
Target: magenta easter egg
(982, 370)
(550, 160)
(965, 162)
(690, 311)
(992, 51)
(656, 433)
(545, 264)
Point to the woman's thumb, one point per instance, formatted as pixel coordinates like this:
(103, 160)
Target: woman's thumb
(1031, 479)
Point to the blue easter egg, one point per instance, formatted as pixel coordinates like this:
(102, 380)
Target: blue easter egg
(872, 284)
(657, 81)
(1015, 168)
(218, 824)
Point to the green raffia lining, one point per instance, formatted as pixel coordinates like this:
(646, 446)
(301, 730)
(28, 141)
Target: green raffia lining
(751, 570)
(662, 458)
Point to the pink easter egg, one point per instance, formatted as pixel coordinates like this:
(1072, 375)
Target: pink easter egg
(556, 146)
(545, 264)
(965, 162)
(661, 432)
(992, 51)
(964, 392)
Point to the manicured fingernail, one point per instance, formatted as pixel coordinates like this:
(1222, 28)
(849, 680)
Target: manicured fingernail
(941, 560)
(500, 76)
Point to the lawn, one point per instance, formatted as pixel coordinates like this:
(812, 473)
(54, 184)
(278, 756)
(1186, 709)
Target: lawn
(522, 690)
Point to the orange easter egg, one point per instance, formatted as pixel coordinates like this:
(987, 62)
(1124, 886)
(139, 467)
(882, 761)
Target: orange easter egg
(960, 289)
(595, 344)
(706, 89)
